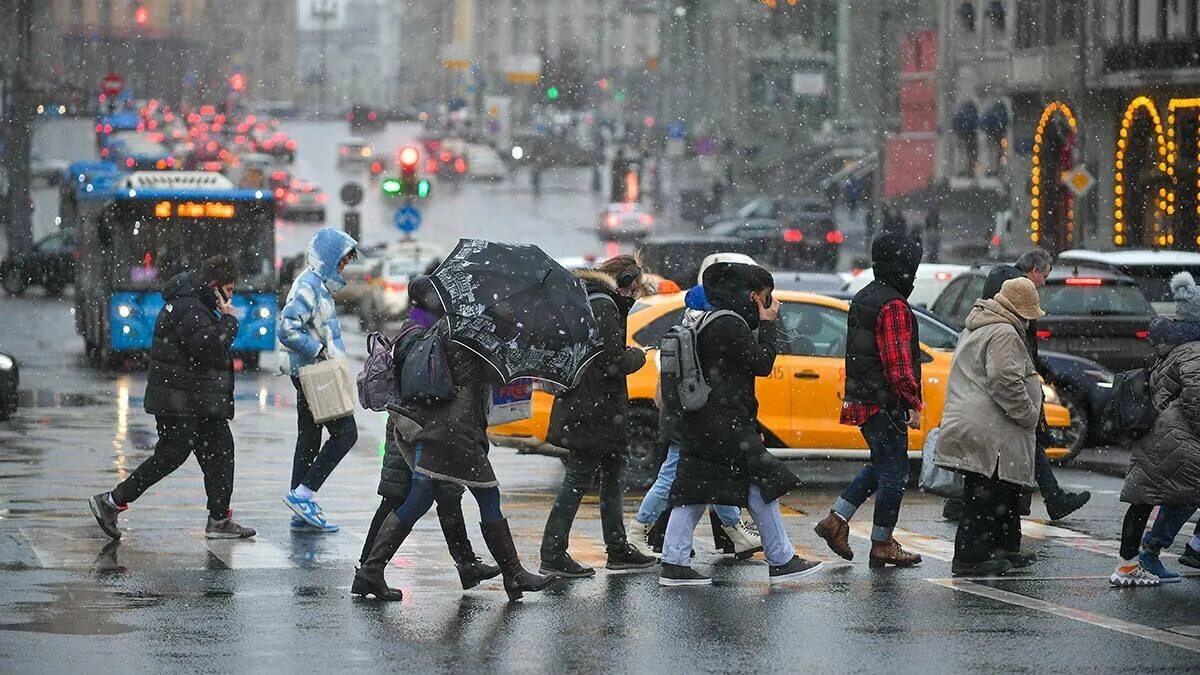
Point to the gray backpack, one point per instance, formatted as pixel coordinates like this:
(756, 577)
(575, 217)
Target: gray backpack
(683, 383)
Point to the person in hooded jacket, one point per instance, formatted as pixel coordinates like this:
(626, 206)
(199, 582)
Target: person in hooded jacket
(723, 459)
(189, 390)
(1164, 467)
(739, 537)
(592, 422)
(395, 476)
(309, 332)
(449, 446)
(993, 404)
(883, 399)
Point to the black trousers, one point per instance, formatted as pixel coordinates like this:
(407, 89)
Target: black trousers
(1136, 517)
(212, 443)
(582, 468)
(990, 521)
(314, 462)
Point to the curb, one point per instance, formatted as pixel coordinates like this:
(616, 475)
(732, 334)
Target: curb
(1106, 461)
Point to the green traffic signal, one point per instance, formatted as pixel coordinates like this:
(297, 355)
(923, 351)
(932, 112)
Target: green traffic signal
(422, 188)
(391, 186)
(406, 187)
(552, 93)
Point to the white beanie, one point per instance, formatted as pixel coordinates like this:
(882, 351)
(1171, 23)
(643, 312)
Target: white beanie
(1187, 296)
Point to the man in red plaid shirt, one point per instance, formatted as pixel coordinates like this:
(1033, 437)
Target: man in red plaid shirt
(883, 399)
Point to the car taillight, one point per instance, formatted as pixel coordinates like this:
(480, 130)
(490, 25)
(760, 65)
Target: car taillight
(1142, 335)
(834, 237)
(793, 236)
(612, 221)
(996, 240)
(1084, 281)
(431, 166)
(344, 150)
(1044, 335)
(279, 193)
(322, 198)
(646, 219)
(290, 145)
(943, 276)
(445, 157)
(129, 162)
(371, 116)
(292, 198)
(460, 165)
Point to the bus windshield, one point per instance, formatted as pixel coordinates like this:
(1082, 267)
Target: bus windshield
(147, 251)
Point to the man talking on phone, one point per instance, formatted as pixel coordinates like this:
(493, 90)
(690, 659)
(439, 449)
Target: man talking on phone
(189, 390)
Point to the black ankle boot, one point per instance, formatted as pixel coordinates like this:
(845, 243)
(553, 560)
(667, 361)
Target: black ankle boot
(471, 570)
(517, 579)
(369, 578)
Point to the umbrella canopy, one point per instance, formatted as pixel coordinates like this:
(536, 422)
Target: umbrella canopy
(519, 310)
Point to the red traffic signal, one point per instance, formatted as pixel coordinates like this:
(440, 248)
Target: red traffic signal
(409, 156)
(141, 15)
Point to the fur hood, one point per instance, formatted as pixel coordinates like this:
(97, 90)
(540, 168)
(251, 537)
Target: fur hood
(597, 278)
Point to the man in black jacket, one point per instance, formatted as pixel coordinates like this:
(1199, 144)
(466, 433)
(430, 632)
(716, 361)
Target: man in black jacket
(189, 390)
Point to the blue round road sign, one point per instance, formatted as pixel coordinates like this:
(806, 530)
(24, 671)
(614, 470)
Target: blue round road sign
(408, 218)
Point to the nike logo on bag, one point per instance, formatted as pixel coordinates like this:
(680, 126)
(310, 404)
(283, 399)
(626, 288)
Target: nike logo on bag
(324, 386)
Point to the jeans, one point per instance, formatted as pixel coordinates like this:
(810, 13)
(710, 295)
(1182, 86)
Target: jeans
(1043, 471)
(178, 437)
(777, 546)
(313, 462)
(1167, 524)
(990, 521)
(655, 501)
(425, 490)
(885, 475)
(581, 467)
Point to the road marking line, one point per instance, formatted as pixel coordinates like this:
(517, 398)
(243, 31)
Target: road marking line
(1100, 621)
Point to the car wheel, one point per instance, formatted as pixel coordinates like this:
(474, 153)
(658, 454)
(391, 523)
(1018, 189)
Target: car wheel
(1076, 435)
(646, 450)
(14, 281)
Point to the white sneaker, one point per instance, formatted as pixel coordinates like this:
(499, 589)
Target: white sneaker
(638, 535)
(745, 537)
(1132, 574)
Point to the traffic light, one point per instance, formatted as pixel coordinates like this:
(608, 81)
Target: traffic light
(552, 93)
(407, 184)
(141, 15)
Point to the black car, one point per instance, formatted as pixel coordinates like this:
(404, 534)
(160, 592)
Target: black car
(50, 264)
(811, 243)
(365, 119)
(10, 380)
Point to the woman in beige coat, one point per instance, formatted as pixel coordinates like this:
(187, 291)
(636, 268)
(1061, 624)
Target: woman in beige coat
(993, 403)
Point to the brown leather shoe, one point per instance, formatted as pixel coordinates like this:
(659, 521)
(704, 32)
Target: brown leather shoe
(888, 552)
(836, 533)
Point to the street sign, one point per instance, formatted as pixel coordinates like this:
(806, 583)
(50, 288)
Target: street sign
(675, 129)
(351, 194)
(1079, 180)
(408, 218)
(112, 84)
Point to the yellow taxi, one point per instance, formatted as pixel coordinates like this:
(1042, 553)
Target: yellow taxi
(799, 402)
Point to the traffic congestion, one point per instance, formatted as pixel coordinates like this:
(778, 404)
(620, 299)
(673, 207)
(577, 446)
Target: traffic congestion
(830, 395)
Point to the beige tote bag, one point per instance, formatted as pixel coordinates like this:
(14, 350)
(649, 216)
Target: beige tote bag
(329, 389)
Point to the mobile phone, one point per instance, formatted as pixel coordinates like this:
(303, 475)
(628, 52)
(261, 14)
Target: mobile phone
(221, 294)
(767, 299)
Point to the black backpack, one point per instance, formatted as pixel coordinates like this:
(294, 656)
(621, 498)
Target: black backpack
(1130, 413)
(425, 377)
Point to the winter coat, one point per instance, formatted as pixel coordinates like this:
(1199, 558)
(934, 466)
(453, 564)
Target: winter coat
(721, 451)
(308, 321)
(594, 416)
(191, 371)
(993, 399)
(453, 436)
(1165, 465)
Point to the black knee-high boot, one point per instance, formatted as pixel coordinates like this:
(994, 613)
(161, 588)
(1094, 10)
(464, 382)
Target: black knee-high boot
(471, 570)
(369, 578)
(516, 578)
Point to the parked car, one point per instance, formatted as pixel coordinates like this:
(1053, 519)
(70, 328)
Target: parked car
(484, 163)
(355, 151)
(1152, 269)
(800, 402)
(304, 200)
(928, 285)
(1100, 315)
(624, 222)
(49, 264)
(10, 382)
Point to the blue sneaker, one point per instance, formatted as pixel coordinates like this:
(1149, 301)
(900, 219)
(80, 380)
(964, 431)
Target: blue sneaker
(299, 523)
(308, 510)
(1153, 565)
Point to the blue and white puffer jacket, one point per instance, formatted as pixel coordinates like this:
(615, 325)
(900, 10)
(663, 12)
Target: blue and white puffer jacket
(308, 320)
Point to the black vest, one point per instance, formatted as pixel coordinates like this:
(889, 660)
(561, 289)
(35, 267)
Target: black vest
(865, 381)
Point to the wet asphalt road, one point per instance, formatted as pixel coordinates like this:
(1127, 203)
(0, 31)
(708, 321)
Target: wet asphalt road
(167, 599)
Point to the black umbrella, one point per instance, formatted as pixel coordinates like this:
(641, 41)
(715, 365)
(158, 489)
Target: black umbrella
(518, 309)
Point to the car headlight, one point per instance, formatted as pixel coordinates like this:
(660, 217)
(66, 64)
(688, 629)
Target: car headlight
(1050, 395)
(1102, 378)
(124, 311)
(6, 362)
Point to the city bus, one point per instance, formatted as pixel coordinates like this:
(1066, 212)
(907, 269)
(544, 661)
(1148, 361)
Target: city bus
(150, 226)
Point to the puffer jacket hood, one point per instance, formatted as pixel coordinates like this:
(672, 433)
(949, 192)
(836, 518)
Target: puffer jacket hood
(695, 299)
(993, 311)
(325, 251)
(189, 284)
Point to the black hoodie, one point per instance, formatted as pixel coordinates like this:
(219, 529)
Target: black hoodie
(191, 371)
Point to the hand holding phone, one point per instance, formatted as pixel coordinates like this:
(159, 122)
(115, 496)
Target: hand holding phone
(224, 306)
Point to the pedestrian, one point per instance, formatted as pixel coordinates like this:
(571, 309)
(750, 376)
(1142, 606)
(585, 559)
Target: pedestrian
(451, 447)
(1034, 265)
(591, 422)
(1164, 466)
(743, 535)
(933, 235)
(309, 332)
(723, 459)
(395, 476)
(993, 405)
(189, 390)
(882, 398)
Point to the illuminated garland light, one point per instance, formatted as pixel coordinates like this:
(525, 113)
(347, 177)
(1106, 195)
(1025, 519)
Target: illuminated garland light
(1035, 215)
(1119, 189)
